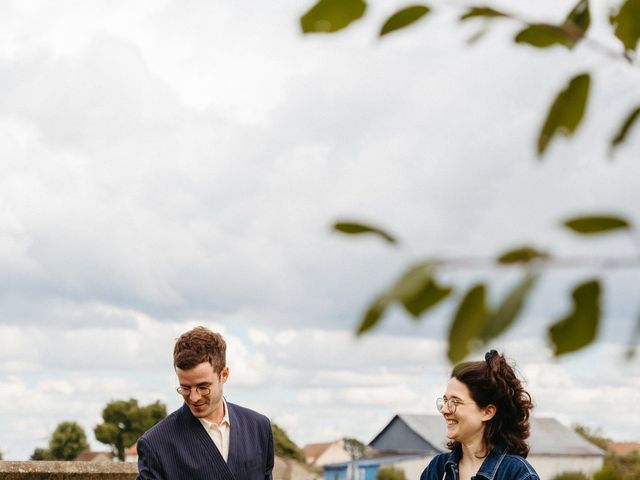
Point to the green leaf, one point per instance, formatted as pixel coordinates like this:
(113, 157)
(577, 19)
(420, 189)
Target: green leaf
(521, 255)
(373, 315)
(566, 112)
(475, 12)
(579, 328)
(404, 18)
(332, 15)
(595, 224)
(543, 35)
(579, 17)
(627, 24)
(625, 127)
(511, 306)
(428, 297)
(353, 228)
(417, 290)
(468, 323)
(411, 281)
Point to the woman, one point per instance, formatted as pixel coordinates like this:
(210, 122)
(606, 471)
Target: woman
(486, 410)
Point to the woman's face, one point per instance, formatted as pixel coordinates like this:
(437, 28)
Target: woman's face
(465, 419)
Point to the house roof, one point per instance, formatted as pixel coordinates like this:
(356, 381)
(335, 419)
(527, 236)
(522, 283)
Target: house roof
(429, 427)
(314, 450)
(623, 448)
(548, 436)
(93, 456)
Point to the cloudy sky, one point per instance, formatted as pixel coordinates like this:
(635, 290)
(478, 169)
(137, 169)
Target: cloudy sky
(169, 164)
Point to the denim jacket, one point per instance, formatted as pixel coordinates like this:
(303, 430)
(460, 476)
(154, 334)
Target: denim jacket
(499, 465)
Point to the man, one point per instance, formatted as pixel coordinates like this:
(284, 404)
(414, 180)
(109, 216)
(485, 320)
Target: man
(207, 438)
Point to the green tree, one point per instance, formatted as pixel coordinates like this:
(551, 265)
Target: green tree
(41, 454)
(390, 473)
(595, 436)
(419, 289)
(354, 447)
(620, 467)
(605, 473)
(66, 442)
(285, 447)
(125, 421)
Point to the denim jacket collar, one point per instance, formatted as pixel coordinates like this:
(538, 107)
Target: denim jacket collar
(489, 466)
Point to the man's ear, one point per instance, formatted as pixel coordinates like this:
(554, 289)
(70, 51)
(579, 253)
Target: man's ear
(224, 374)
(488, 412)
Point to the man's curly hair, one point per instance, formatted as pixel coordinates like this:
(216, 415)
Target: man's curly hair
(200, 345)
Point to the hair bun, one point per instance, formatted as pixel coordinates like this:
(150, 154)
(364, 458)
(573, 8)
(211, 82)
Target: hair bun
(490, 355)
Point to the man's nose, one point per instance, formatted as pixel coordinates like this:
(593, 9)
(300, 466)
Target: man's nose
(194, 393)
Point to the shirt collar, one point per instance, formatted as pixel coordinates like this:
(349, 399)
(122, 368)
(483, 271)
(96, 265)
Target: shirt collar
(454, 458)
(489, 465)
(225, 420)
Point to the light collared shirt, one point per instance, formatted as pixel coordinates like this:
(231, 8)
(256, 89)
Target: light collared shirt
(219, 433)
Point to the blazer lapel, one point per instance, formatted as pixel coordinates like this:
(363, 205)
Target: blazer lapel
(213, 463)
(235, 441)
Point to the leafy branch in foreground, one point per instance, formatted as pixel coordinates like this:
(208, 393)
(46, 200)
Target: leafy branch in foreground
(476, 322)
(568, 108)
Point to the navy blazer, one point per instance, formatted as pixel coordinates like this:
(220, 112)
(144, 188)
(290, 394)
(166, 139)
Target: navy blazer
(179, 447)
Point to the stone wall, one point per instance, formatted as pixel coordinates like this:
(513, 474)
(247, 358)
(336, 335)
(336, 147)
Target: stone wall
(67, 471)
(284, 469)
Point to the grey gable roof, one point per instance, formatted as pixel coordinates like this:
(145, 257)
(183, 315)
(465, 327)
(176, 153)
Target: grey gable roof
(430, 427)
(399, 436)
(548, 436)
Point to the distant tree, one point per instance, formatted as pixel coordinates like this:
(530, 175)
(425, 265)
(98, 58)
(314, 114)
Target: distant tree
(390, 473)
(41, 454)
(595, 436)
(66, 442)
(620, 467)
(571, 476)
(0, 455)
(354, 447)
(284, 446)
(607, 472)
(125, 421)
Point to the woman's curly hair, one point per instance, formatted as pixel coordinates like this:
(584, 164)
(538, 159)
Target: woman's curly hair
(494, 382)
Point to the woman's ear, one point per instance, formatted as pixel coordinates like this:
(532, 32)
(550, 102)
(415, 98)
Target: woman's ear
(488, 412)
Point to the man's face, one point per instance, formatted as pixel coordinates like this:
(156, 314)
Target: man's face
(208, 406)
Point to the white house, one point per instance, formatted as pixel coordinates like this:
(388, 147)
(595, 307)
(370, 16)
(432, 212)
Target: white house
(131, 453)
(324, 453)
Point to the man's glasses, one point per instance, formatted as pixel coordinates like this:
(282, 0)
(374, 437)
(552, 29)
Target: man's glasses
(202, 390)
(451, 403)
